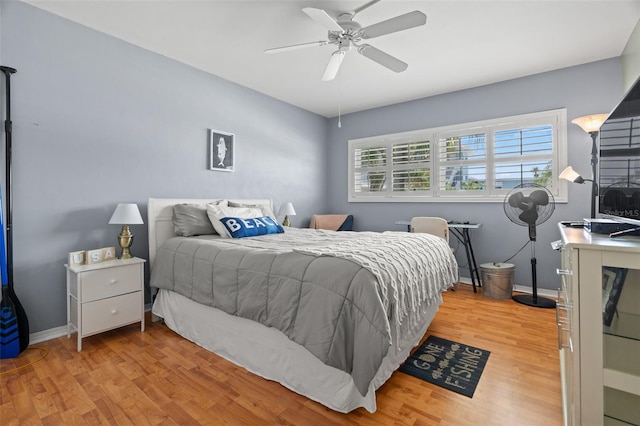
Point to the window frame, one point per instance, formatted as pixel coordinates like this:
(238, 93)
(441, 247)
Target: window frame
(557, 118)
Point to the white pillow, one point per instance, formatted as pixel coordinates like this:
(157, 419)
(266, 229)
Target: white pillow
(217, 212)
(266, 209)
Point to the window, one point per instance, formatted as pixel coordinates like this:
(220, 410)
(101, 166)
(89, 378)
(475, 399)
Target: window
(478, 161)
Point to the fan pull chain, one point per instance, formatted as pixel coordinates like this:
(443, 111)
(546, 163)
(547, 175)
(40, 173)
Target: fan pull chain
(339, 98)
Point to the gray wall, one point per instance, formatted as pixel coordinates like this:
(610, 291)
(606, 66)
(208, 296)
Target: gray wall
(586, 89)
(98, 121)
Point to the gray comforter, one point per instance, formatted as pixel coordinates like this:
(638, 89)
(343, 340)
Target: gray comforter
(335, 293)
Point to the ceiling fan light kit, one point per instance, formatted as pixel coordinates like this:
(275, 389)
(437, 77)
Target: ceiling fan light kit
(345, 33)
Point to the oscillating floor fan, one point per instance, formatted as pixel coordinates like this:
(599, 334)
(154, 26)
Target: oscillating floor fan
(530, 205)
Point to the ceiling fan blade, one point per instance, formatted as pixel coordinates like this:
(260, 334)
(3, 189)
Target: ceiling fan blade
(334, 65)
(382, 58)
(295, 47)
(365, 6)
(399, 23)
(322, 18)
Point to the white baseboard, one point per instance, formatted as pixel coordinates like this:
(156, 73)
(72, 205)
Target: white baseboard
(54, 333)
(520, 288)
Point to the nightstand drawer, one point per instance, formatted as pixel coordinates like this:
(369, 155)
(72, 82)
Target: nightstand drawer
(103, 283)
(110, 313)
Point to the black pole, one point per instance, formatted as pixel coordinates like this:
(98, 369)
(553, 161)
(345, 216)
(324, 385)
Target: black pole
(534, 281)
(8, 129)
(533, 299)
(23, 321)
(594, 171)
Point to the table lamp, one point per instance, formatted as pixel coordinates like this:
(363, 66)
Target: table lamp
(287, 210)
(126, 214)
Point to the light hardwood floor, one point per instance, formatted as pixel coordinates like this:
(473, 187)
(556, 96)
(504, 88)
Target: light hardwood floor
(156, 377)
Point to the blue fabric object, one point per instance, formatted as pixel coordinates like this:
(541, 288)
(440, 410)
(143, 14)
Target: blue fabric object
(240, 227)
(348, 224)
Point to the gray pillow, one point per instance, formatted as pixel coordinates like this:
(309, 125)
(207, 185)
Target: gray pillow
(191, 219)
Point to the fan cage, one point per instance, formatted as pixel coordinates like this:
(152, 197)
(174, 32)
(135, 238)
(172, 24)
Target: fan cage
(544, 212)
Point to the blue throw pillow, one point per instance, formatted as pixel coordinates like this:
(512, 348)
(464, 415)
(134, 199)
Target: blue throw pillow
(240, 227)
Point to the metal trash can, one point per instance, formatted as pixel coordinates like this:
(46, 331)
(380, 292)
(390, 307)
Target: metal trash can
(497, 279)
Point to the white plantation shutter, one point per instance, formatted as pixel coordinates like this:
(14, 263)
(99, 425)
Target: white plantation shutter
(370, 169)
(411, 166)
(466, 162)
(522, 154)
(463, 161)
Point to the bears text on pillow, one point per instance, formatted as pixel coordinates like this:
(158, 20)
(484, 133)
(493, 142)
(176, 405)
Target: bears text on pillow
(217, 212)
(250, 227)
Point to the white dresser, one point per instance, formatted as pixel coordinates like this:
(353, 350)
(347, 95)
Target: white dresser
(104, 296)
(600, 365)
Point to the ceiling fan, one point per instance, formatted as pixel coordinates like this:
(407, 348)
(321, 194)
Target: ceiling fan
(345, 33)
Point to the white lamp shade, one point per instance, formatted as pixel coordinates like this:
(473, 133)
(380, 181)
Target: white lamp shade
(590, 123)
(571, 175)
(126, 214)
(287, 210)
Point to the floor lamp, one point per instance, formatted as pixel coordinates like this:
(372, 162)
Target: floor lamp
(590, 124)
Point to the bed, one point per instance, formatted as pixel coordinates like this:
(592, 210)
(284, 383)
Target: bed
(329, 315)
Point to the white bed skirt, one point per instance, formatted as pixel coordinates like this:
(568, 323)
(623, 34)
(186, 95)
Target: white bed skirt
(268, 353)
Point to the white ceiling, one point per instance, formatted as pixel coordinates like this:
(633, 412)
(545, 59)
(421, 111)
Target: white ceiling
(464, 43)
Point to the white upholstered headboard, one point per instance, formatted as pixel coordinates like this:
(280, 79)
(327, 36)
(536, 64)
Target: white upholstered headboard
(160, 218)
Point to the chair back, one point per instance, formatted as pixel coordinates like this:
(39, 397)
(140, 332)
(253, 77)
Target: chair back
(431, 225)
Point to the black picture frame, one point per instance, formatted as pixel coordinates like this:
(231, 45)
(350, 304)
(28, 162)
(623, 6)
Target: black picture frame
(612, 283)
(222, 148)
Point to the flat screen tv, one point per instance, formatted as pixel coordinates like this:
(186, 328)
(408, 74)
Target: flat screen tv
(619, 174)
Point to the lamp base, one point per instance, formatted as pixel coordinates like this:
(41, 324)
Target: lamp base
(286, 221)
(538, 302)
(125, 239)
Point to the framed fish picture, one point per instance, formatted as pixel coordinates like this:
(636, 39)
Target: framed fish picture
(222, 147)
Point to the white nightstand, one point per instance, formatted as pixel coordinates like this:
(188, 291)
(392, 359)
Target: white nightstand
(104, 296)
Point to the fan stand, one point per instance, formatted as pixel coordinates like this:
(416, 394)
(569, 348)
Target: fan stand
(533, 299)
